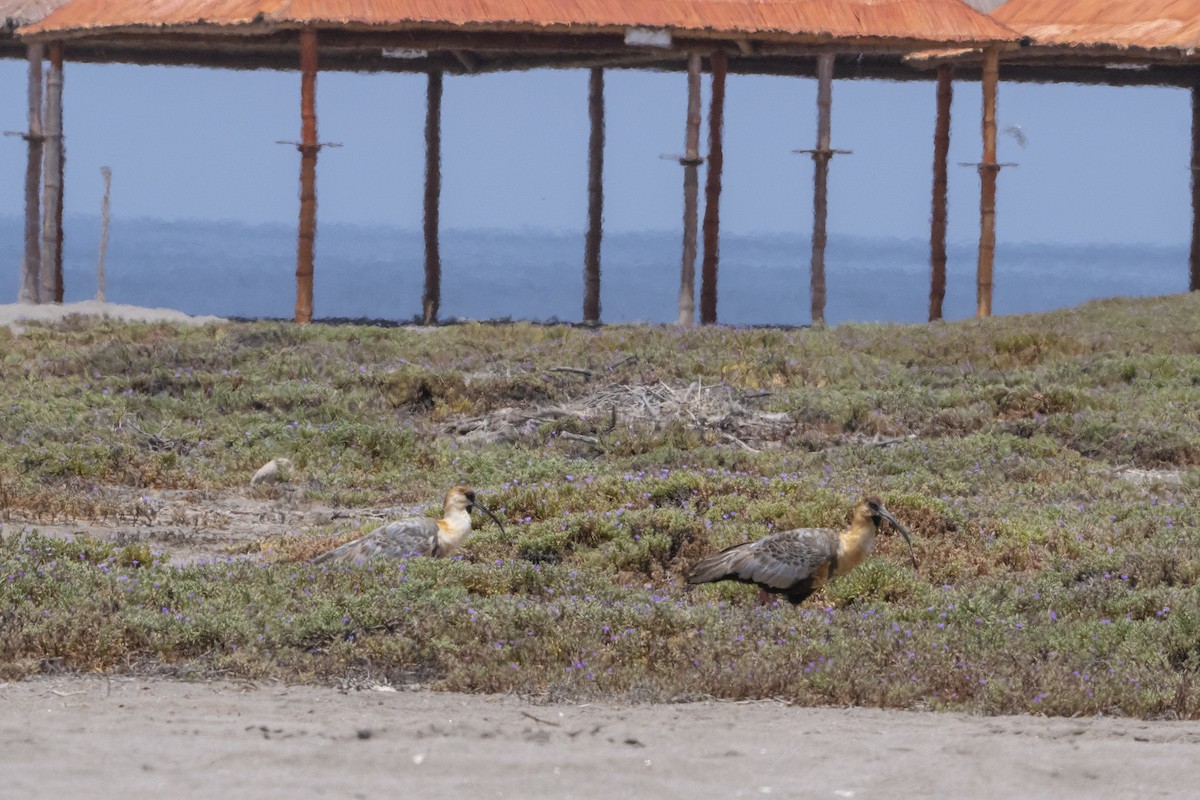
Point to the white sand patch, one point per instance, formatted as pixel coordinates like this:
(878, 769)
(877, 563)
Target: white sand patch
(1171, 477)
(15, 313)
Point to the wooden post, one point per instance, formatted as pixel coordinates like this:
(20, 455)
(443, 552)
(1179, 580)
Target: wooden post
(1194, 258)
(62, 184)
(937, 228)
(308, 147)
(31, 265)
(105, 206)
(595, 189)
(51, 267)
(821, 156)
(988, 170)
(433, 192)
(719, 65)
(691, 187)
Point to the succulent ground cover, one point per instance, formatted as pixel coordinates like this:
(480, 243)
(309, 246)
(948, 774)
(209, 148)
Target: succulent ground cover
(1047, 465)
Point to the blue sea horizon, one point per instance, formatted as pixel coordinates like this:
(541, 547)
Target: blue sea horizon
(232, 269)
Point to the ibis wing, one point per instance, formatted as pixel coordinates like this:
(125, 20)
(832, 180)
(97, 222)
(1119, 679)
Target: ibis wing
(784, 559)
(400, 539)
(778, 561)
(409, 537)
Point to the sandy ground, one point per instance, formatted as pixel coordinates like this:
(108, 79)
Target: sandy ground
(13, 314)
(91, 737)
(187, 526)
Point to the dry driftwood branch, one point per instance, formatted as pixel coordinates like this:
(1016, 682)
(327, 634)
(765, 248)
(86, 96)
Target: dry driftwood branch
(578, 437)
(860, 441)
(539, 719)
(587, 373)
(155, 441)
(625, 360)
(716, 407)
(888, 441)
(730, 437)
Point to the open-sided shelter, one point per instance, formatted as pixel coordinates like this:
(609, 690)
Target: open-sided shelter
(436, 36)
(1109, 42)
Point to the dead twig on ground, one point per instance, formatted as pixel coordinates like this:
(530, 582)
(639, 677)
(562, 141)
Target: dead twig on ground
(540, 720)
(626, 360)
(156, 441)
(587, 373)
(715, 407)
(730, 437)
(577, 437)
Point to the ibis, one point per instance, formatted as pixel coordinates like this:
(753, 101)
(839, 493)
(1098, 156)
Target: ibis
(797, 563)
(418, 536)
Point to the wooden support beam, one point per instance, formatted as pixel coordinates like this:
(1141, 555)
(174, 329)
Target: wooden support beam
(31, 265)
(432, 298)
(1194, 257)
(595, 189)
(359, 42)
(821, 156)
(988, 171)
(691, 188)
(51, 266)
(718, 66)
(306, 242)
(662, 60)
(937, 228)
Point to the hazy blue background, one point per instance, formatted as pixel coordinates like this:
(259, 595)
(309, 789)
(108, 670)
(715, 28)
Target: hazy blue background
(1101, 195)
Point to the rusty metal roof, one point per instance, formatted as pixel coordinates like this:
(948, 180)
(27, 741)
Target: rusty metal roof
(1106, 24)
(916, 21)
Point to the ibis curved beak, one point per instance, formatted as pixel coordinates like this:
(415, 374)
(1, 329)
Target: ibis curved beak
(883, 512)
(485, 510)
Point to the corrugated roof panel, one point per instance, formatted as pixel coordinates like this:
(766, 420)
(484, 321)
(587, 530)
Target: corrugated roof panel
(949, 21)
(1145, 24)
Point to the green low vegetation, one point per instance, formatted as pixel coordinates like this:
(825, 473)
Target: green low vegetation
(1050, 580)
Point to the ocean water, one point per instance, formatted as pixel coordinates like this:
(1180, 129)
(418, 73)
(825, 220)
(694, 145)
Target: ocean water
(231, 269)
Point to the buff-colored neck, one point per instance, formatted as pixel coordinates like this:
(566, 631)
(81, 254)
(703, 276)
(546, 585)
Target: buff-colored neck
(855, 543)
(453, 529)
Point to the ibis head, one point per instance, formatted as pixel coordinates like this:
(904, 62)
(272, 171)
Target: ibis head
(874, 509)
(462, 498)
